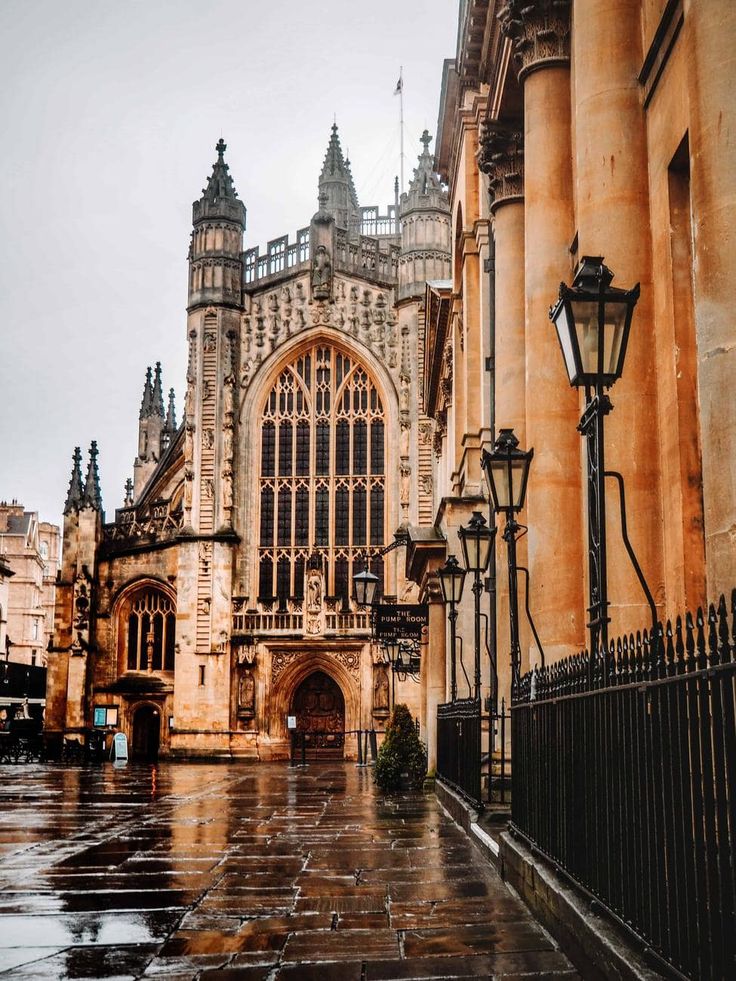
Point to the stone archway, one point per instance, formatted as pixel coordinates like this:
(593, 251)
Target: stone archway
(319, 707)
(145, 733)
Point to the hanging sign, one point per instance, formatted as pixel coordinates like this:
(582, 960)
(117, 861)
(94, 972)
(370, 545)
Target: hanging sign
(400, 620)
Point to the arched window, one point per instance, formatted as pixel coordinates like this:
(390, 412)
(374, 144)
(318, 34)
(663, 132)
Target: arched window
(150, 631)
(322, 474)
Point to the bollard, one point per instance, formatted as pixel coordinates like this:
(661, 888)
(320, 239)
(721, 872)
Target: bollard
(374, 745)
(304, 749)
(361, 757)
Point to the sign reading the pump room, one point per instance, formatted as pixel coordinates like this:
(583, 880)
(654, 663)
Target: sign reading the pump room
(400, 620)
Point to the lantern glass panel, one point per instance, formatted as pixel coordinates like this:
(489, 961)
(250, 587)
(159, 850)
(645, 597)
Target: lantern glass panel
(565, 336)
(452, 579)
(588, 334)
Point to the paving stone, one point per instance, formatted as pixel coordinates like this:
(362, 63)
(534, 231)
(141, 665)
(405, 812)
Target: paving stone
(248, 871)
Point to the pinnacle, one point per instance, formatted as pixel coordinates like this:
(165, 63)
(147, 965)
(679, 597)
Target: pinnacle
(171, 414)
(157, 399)
(92, 494)
(74, 494)
(147, 401)
(220, 184)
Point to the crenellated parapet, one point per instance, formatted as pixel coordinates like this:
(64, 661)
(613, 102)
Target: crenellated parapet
(539, 31)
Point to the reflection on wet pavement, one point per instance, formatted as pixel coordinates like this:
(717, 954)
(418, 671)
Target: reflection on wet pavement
(248, 871)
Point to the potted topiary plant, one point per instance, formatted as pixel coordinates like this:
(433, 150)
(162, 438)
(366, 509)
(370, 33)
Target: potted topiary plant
(402, 758)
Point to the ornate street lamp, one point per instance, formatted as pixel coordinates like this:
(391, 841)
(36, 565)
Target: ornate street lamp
(392, 647)
(507, 471)
(476, 539)
(452, 578)
(593, 320)
(364, 587)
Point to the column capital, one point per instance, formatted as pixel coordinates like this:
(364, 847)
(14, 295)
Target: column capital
(539, 31)
(501, 158)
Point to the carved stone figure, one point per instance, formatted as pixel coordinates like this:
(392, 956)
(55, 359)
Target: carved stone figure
(314, 593)
(247, 692)
(321, 274)
(380, 690)
(227, 489)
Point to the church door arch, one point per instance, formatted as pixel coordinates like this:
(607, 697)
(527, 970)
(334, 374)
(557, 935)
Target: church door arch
(146, 735)
(319, 707)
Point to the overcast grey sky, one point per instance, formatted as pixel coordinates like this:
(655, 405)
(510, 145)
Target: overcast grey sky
(110, 111)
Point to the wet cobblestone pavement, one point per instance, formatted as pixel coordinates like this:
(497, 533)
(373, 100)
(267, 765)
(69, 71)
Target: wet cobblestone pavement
(249, 872)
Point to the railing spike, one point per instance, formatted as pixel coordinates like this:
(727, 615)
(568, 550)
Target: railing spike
(700, 638)
(713, 656)
(670, 650)
(690, 641)
(725, 651)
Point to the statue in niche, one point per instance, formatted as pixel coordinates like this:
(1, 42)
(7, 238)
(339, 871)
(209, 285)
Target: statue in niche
(247, 693)
(321, 274)
(188, 482)
(314, 592)
(227, 442)
(404, 394)
(405, 485)
(210, 343)
(380, 690)
(227, 489)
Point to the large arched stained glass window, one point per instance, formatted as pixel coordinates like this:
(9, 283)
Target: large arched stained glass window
(322, 479)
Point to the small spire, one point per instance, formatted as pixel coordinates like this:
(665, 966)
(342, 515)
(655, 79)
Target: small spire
(92, 493)
(147, 402)
(426, 139)
(220, 184)
(157, 399)
(128, 500)
(424, 179)
(170, 426)
(74, 494)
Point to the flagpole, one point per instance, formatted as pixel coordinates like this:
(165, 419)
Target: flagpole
(401, 112)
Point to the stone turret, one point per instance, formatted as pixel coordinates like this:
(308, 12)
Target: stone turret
(75, 595)
(215, 265)
(336, 189)
(169, 430)
(151, 430)
(425, 228)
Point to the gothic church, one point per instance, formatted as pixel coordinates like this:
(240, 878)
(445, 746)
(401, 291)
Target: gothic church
(218, 602)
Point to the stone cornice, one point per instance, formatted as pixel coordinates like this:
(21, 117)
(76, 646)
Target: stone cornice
(501, 158)
(539, 31)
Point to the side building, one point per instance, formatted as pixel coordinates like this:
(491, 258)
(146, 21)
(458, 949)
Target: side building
(219, 600)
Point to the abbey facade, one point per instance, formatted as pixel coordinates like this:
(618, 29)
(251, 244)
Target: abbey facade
(219, 601)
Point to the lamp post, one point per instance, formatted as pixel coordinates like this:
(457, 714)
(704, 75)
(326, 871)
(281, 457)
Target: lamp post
(507, 471)
(593, 320)
(452, 579)
(392, 647)
(476, 539)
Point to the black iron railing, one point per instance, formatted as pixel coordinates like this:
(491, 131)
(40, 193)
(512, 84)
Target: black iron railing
(624, 774)
(458, 747)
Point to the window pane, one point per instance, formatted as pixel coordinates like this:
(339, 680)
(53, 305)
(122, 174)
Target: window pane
(323, 448)
(322, 517)
(341, 579)
(359, 497)
(302, 449)
(285, 440)
(265, 579)
(299, 579)
(301, 524)
(342, 447)
(145, 630)
(341, 516)
(283, 579)
(158, 641)
(170, 642)
(377, 446)
(132, 642)
(266, 516)
(377, 515)
(284, 525)
(360, 446)
(268, 450)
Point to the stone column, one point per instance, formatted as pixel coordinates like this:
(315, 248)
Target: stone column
(435, 670)
(710, 31)
(501, 158)
(613, 221)
(540, 31)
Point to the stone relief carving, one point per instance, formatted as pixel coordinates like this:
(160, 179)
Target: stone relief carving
(209, 343)
(280, 660)
(349, 660)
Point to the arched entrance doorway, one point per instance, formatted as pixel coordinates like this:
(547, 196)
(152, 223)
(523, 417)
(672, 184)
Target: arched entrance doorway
(146, 733)
(319, 707)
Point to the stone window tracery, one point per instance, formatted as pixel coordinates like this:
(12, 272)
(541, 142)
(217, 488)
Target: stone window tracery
(150, 632)
(322, 479)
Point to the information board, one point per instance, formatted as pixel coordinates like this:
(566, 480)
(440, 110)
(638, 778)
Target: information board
(119, 749)
(400, 620)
